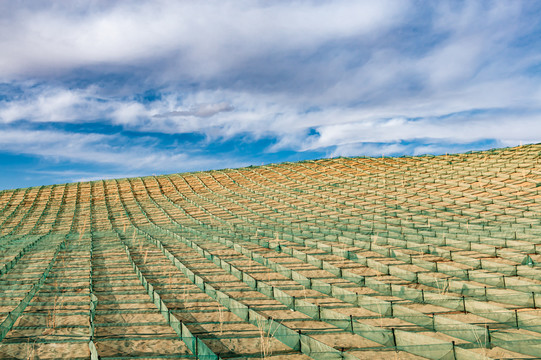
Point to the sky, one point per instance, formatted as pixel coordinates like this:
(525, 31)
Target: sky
(93, 89)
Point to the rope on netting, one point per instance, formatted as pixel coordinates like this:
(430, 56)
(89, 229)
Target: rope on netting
(93, 351)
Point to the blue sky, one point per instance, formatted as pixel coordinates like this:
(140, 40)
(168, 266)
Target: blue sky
(101, 89)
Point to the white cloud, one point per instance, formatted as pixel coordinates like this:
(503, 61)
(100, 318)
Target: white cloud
(199, 110)
(340, 77)
(204, 38)
(54, 104)
(117, 155)
(460, 129)
(443, 116)
(129, 113)
(86, 148)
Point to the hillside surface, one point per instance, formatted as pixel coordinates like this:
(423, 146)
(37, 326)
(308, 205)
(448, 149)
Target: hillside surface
(349, 258)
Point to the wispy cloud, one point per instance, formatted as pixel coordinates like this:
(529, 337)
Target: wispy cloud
(199, 110)
(122, 152)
